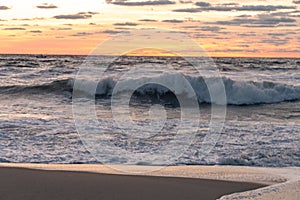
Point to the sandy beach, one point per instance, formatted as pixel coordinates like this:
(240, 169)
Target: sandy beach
(31, 184)
(54, 181)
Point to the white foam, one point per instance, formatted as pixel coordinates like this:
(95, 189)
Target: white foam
(238, 92)
(289, 189)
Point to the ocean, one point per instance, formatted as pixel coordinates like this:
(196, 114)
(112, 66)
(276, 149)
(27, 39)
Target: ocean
(38, 123)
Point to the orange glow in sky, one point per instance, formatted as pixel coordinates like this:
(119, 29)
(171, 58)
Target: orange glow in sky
(223, 28)
(150, 52)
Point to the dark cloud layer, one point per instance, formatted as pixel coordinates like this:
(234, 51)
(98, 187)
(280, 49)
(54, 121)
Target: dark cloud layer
(36, 31)
(203, 6)
(258, 21)
(263, 8)
(4, 8)
(47, 6)
(126, 24)
(80, 15)
(188, 10)
(172, 21)
(75, 16)
(296, 2)
(235, 50)
(248, 34)
(61, 29)
(204, 28)
(277, 34)
(80, 34)
(148, 20)
(110, 32)
(28, 19)
(276, 42)
(89, 13)
(287, 50)
(185, 1)
(210, 28)
(14, 29)
(140, 3)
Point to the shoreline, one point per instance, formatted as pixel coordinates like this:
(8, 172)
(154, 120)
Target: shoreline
(224, 182)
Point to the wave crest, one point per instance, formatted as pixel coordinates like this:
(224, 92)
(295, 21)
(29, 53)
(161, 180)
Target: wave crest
(237, 92)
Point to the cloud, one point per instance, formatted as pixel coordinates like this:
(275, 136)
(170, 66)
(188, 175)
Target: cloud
(4, 8)
(80, 15)
(249, 34)
(277, 34)
(47, 6)
(126, 24)
(123, 28)
(61, 29)
(287, 25)
(90, 13)
(275, 42)
(210, 28)
(230, 4)
(80, 34)
(204, 28)
(290, 33)
(201, 35)
(172, 21)
(296, 2)
(190, 27)
(260, 21)
(203, 6)
(185, 1)
(263, 8)
(241, 16)
(14, 29)
(244, 45)
(235, 50)
(110, 32)
(28, 19)
(148, 20)
(36, 31)
(288, 50)
(188, 10)
(218, 8)
(294, 13)
(140, 3)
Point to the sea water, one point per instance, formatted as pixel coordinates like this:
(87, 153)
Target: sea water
(261, 126)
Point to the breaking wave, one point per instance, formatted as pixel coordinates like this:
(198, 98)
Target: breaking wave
(237, 92)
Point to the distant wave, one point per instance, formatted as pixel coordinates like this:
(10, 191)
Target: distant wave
(257, 64)
(237, 92)
(55, 86)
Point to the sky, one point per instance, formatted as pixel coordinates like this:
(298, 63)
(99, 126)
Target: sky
(234, 28)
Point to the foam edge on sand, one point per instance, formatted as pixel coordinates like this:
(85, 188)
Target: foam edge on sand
(289, 190)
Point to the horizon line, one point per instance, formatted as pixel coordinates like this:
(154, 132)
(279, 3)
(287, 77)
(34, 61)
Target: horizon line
(35, 54)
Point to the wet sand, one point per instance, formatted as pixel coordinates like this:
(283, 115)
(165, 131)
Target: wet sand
(21, 183)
